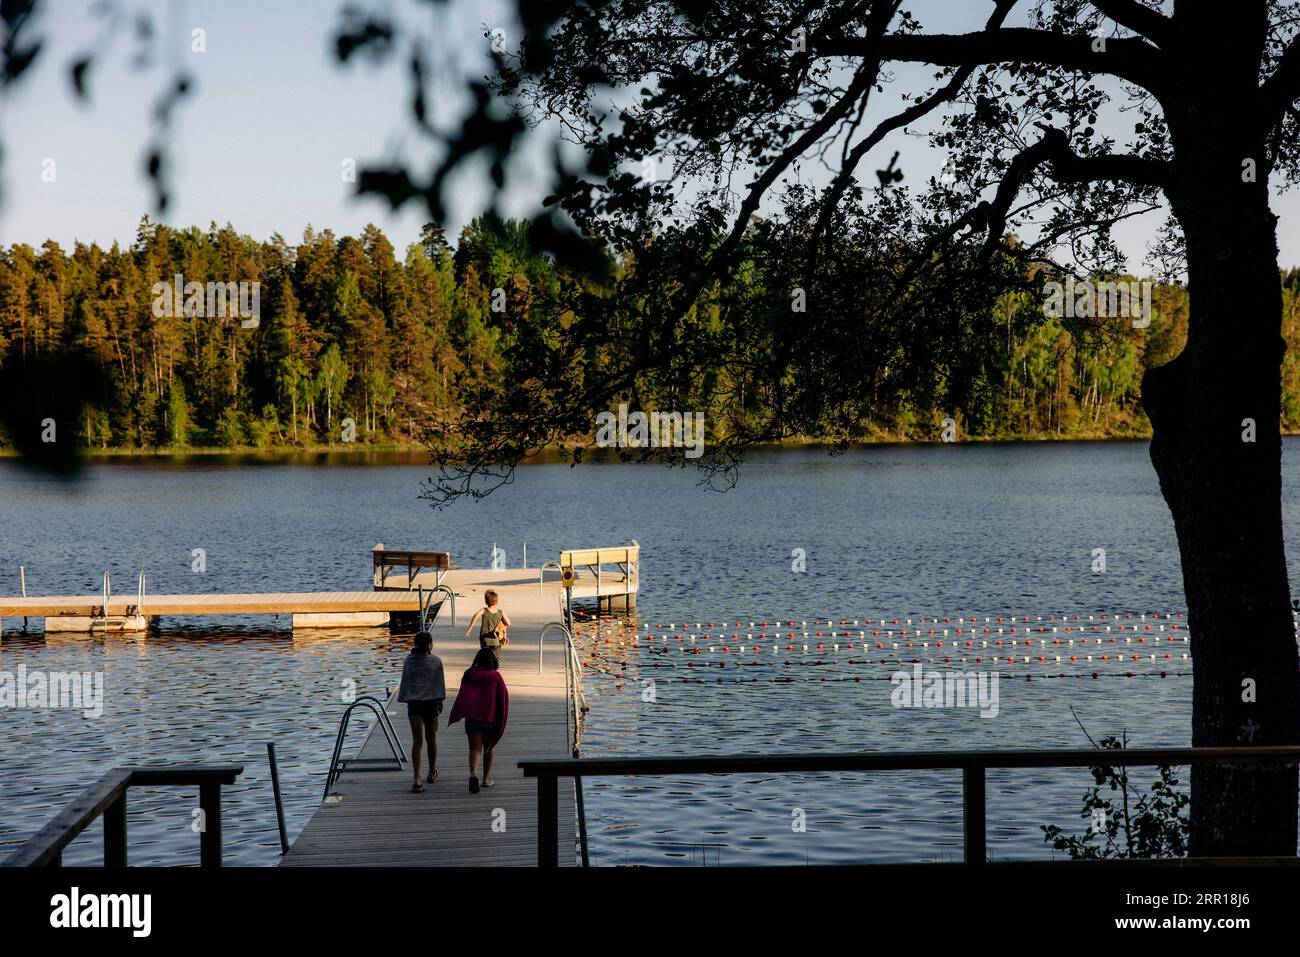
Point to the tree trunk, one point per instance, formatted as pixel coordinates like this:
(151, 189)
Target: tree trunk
(1217, 451)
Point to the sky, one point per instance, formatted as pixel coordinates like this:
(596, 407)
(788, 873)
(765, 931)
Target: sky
(262, 141)
(260, 144)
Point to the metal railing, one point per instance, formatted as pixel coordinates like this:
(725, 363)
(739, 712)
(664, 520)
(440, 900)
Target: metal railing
(22, 585)
(972, 765)
(575, 707)
(426, 602)
(574, 692)
(339, 764)
(107, 797)
(541, 639)
(549, 564)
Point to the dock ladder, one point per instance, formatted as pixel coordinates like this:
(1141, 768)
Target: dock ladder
(339, 764)
(429, 609)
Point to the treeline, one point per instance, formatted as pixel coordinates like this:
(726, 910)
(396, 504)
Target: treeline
(354, 344)
(350, 344)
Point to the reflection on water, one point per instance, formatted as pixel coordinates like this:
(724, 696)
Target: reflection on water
(188, 697)
(661, 697)
(894, 530)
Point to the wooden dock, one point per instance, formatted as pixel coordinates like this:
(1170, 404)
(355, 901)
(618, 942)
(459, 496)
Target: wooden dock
(136, 611)
(270, 603)
(372, 818)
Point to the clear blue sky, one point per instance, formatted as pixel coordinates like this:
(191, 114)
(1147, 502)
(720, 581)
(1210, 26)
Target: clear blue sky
(261, 141)
(259, 144)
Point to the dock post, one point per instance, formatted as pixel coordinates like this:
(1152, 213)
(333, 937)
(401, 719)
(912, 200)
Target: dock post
(974, 835)
(210, 836)
(279, 801)
(547, 821)
(22, 581)
(115, 833)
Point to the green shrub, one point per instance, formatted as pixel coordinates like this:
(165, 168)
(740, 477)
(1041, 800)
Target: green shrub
(230, 431)
(1124, 823)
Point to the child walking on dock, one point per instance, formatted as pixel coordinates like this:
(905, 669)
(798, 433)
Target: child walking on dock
(493, 624)
(484, 703)
(424, 691)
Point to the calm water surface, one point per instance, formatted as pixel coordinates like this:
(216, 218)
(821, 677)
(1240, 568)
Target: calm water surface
(885, 532)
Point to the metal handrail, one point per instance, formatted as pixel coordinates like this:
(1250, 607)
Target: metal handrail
(572, 670)
(427, 600)
(579, 693)
(576, 706)
(339, 764)
(542, 635)
(972, 764)
(107, 797)
(550, 563)
(578, 701)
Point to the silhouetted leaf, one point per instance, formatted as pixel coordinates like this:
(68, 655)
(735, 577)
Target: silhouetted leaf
(78, 73)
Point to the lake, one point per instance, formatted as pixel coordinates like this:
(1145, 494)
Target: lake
(884, 532)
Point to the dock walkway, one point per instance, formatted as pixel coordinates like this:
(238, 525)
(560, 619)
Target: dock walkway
(268, 603)
(372, 817)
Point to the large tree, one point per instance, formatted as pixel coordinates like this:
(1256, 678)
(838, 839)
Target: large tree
(1058, 120)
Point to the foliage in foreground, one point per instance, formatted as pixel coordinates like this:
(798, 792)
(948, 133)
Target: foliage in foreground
(1124, 823)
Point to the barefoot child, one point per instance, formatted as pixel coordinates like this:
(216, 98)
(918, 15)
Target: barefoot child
(493, 624)
(484, 703)
(424, 691)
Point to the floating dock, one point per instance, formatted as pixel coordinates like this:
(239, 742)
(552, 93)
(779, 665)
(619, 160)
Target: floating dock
(610, 576)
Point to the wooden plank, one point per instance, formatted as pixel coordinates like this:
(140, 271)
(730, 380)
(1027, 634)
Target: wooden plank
(395, 558)
(47, 844)
(288, 603)
(600, 556)
(53, 606)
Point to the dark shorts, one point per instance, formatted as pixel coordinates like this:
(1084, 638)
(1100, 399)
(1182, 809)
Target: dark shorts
(424, 710)
(486, 728)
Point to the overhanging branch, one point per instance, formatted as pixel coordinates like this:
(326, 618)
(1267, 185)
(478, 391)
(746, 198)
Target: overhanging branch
(1069, 167)
(1066, 167)
(1129, 58)
(1137, 17)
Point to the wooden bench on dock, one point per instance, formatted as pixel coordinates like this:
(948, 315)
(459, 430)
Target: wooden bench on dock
(387, 559)
(626, 557)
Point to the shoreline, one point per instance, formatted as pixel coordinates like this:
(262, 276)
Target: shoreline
(550, 454)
